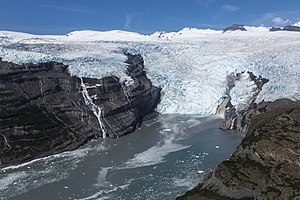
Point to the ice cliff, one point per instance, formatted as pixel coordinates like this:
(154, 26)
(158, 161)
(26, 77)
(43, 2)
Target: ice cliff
(191, 66)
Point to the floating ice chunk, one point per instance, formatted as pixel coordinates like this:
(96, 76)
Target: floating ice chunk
(155, 154)
(101, 178)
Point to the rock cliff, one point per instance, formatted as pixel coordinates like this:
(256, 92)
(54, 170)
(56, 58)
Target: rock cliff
(44, 110)
(266, 164)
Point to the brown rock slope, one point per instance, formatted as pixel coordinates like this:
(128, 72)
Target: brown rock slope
(267, 163)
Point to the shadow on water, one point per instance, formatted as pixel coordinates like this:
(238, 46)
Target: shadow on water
(162, 159)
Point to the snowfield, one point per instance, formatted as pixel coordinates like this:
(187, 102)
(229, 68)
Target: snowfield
(191, 65)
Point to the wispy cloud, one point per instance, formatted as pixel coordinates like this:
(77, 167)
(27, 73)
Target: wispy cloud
(225, 9)
(68, 8)
(278, 21)
(128, 20)
(283, 17)
(267, 16)
(230, 8)
(206, 3)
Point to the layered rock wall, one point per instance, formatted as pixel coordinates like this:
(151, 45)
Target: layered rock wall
(44, 110)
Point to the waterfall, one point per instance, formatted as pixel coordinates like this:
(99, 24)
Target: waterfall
(93, 107)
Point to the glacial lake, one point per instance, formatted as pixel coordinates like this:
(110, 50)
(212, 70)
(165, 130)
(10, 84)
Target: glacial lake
(164, 158)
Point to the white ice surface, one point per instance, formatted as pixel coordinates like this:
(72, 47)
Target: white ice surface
(297, 23)
(155, 154)
(191, 65)
(242, 93)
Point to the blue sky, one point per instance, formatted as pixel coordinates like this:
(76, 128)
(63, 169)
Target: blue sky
(143, 16)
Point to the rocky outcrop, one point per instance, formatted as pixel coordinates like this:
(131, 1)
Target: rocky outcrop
(267, 163)
(235, 27)
(291, 28)
(44, 110)
(237, 117)
(286, 28)
(275, 29)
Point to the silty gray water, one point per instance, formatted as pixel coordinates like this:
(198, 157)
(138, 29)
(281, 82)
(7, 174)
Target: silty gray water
(161, 160)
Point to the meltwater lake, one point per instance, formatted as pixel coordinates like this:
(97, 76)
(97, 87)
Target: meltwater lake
(164, 158)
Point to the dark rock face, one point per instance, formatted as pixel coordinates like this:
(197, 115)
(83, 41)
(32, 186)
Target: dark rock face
(235, 27)
(238, 118)
(265, 165)
(275, 29)
(291, 28)
(44, 110)
(286, 28)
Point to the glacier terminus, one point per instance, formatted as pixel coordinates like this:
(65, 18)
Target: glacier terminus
(190, 65)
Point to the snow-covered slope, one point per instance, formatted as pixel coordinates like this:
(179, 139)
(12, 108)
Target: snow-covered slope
(186, 33)
(297, 24)
(190, 65)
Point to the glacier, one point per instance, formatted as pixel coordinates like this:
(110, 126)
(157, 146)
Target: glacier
(191, 65)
